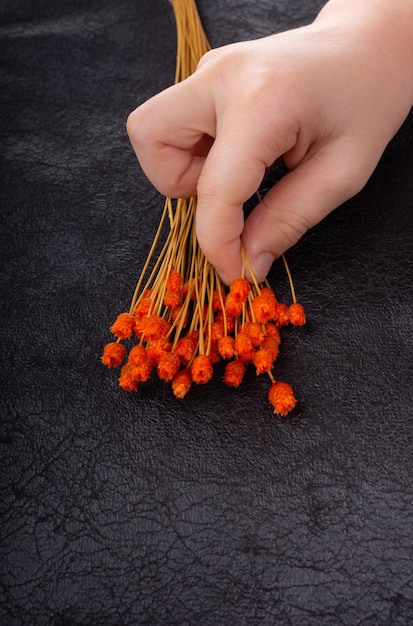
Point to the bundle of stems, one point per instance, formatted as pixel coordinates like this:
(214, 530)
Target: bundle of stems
(182, 319)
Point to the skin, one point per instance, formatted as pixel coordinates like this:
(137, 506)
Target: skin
(325, 98)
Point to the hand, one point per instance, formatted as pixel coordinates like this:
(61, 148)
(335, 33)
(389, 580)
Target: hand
(326, 98)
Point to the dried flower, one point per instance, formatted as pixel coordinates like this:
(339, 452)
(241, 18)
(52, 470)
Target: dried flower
(281, 315)
(201, 369)
(263, 360)
(181, 383)
(168, 365)
(113, 354)
(174, 281)
(297, 314)
(234, 373)
(123, 326)
(239, 289)
(226, 347)
(185, 348)
(281, 396)
(127, 381)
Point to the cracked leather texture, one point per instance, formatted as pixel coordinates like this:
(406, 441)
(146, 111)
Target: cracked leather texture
(140, 509)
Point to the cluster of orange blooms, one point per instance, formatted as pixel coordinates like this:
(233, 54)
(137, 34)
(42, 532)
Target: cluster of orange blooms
(240, 325)
(182, 318)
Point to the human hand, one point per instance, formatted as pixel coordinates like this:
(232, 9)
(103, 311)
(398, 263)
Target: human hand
(326, 98)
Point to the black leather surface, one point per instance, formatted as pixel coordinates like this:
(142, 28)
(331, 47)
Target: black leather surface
(139, 509)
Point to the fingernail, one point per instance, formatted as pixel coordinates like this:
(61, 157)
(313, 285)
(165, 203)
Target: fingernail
(262, 265)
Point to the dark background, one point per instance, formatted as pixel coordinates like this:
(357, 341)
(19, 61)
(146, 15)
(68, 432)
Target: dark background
(140, 509)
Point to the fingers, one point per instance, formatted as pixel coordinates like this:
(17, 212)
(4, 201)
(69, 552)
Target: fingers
(299, 201)
(232, 173)
(170, 134)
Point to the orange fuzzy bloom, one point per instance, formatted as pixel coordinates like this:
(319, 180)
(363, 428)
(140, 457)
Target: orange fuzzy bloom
(214, 356)
(123, 326)
(172, 299)
(174, 282)
(177, 315)
(281, 396)
(230, 321)
(272, 330)
(263, 360)
(297, 314)
(263, 307)
(201, 369)
(138, 355)
(239, 289)
(216, 301)
(187, 287)
(113, 354)
(185, 347)
(157, 348)
(226, 347)
(234, 373)
(181, 383)
(127, 380)
(254, 332)
(142, 372)
(271, 344)
(243, 344)
(168, 366)
(232, 306)
(282, 316)
(153, 327)
(217, 331)
(144, 304)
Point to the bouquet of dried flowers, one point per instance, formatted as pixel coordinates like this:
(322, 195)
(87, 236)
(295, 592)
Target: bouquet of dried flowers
(182, 319)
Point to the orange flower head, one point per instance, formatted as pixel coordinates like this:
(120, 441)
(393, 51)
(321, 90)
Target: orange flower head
(282, 398)
(268, 293)
(239, 289)
(230, 321)
(157, 348)
(181, 383)
(263, 360)
(138, 355)
(216, 301)
(234, 373)
(263, 307)
(142, 372)
(127, 380)
(172, 299)
(144, 304)
(214, 356)
(272, 345)
(201, 369)
(282, 316)
(113, 354)
(153, 327)
(185, 347)
(168, 365)
(297, 314)
(243, 344)
(226, 347)
(273, 331)
(254, 332)
(174, 282)
(123, 326)
(189, 287)
(217, 331)
(178, 313)
(233, 307)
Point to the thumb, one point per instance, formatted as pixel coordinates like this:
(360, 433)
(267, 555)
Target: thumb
(299, 201)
